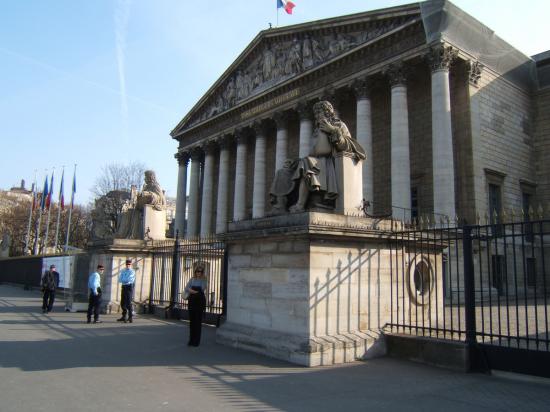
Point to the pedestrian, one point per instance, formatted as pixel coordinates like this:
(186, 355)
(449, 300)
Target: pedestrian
(127, 278)
(195, 291)
(94, 300)
(49, 283)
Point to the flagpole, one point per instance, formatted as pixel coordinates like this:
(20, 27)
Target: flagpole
(39, 220)
(73, 189)
(49, 206)
(27, 239)
(59, 210)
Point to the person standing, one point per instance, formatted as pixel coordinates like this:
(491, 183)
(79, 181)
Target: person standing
(127, 278)
(49, 284)
(94, 300)
(196, 289)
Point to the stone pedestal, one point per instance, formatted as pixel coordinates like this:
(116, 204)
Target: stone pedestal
(311, 288)
(155, 222)
(350, 184)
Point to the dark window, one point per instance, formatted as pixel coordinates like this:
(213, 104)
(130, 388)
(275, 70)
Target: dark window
(495, 208)
(526, 205)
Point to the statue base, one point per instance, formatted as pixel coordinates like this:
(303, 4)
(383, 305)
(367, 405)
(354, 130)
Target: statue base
(154, 223)
(310, 288)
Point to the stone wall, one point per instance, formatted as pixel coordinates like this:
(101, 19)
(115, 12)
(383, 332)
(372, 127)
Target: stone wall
(542, 146)
(505, 142)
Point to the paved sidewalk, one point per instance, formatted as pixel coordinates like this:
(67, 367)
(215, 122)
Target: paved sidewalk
(57, 362)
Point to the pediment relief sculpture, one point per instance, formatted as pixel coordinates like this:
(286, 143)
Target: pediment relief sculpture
(275, 61)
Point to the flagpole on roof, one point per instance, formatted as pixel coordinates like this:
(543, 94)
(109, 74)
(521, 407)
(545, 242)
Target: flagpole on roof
(73, 190)
(277, 8)
(49, 207)
(28, 237)
(60, 205)
(39, 220)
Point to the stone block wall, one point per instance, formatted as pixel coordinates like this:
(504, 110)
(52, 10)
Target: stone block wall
(542, 146)
(503, 142)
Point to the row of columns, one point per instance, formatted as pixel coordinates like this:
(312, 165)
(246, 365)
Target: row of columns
(440, 58)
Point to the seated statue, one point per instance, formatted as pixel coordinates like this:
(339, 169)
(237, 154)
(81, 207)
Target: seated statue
(130, 225)
(151, 193)
(311, 181)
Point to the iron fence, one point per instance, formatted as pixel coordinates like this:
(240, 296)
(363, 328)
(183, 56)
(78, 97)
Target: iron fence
(484, 284)
(172, 267)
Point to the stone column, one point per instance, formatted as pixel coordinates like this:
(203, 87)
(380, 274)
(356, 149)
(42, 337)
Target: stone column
(281, 151)
(305, 112)
(258, 196)
(400, 159)
(440, 58)
(364, 134)
(223, 179)
(207, 189)
(181, 200)
(239, 204)
(193, 212)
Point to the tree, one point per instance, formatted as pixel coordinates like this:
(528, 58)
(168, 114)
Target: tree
(14, 220)
(117, 176)
(112, 191)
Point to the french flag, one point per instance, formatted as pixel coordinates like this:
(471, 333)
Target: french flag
(285, 4)
(49, 195)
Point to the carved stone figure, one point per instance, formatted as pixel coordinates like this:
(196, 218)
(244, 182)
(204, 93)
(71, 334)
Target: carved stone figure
(312, 180)
(268, 63)
(131, 225)
(151, 194)
(293, 63)
(230, 93)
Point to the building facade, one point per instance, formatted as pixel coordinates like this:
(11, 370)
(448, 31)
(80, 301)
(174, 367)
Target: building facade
(454, 121)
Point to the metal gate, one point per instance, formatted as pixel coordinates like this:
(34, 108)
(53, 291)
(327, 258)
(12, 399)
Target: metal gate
(172, 268)
(485, 285)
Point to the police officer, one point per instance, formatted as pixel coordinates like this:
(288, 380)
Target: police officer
(94, 300)
(127, 278)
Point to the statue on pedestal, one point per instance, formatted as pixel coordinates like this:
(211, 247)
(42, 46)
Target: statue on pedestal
(312, 181)
(131, 221)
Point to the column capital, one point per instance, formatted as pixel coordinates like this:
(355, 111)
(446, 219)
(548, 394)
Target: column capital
(259, 127)
(361, 88)
(182, 157)
(209, 146)
(281, 119)
(241, 136)
(440, 57)
(397, 74)
(305, 110)
(225, 140)
(474, 72)
(196, 153)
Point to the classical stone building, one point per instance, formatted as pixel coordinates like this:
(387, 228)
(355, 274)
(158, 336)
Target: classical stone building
(454, 120)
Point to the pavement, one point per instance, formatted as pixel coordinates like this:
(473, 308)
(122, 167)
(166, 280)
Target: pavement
(57, 362)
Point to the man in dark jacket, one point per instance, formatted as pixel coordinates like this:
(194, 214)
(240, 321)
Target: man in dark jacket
(49, 283)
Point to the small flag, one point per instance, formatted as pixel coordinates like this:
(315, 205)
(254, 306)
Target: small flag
(44, 194)
(285, 4)
(61, 195)
(74, 189)
(49, 196)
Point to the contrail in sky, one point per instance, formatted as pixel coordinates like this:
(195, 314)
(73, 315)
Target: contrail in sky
(54, 70)
(122, 14)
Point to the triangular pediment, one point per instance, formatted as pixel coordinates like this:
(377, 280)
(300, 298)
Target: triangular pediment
(277, 55)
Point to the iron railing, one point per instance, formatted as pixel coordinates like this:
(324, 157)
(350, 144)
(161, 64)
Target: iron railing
(172, 267)
(484, 284)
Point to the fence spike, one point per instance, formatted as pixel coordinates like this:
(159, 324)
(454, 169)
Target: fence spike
(504, 216)
(522, 214)
(531, 213)
(478, 219)
(540, 212)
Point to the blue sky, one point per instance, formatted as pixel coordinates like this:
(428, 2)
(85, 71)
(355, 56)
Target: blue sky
(94, 82)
